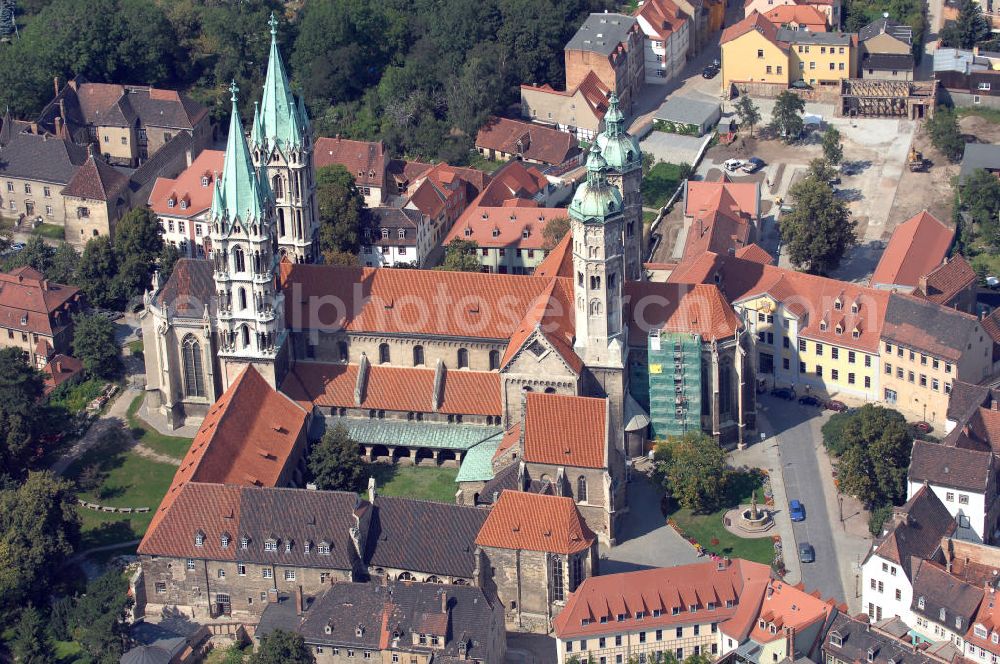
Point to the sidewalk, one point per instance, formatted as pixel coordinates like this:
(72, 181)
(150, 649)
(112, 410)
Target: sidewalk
(113, 417)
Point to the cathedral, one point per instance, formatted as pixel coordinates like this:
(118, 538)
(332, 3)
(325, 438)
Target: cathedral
(546, 382)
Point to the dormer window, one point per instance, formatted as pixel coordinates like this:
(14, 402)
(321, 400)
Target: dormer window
(288, 546)
(942, 614)
(402, 233)
(994, 637)
(496, 232)
(958, 622)
(359, 631)
(324, 548)
(468, 232)
(837, 304)
(980, 631)
(840, 329)
(171, 202)
(271, 544)
(870, 655)
(385, 233)
(244, 542)
(224, 541)
(525, 234)
(204, 180)
(199, 538)
(855, 308)
(307, 546)
(773, 628)
(184, 204)
(822, 326)
(836, 639)
(328, 628)
(856, 333)
(920, 602)
(24, 319)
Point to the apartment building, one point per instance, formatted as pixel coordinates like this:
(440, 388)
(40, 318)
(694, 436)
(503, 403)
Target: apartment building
(402, 236)
(668, 39)
(612, 46)
(752, 52)
(820, 58)
(366, 161)
(182, 204)
(578, 110)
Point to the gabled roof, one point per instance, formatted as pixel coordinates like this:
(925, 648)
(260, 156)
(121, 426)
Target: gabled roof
(755, 253)
(916, 248)
(110, 104)
(535, 522)
(531, 141)
(188, 187)
(754, 22)
(31, 303)
(602, 33)
(951, 466)
(984, 156)
(591, 89)
(915, 530)
(559, 261)
(364, 160)
(788, 607)
(662, 16)
(96, 180)
(887, 26)
(551, 317)
(887, 61)
(394, 219)
(564, 430)
(699, 309)
(934, 328)
(943, 598)
(41, 158)
(59, 369)
(515, 179)
(518, 224)
(944, 282)
(804, 15)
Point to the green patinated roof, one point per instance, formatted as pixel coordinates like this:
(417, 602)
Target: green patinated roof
(477, 466)
(596, 199)
(418, 434)
(619, 149)
(239, 193)
(283, 123)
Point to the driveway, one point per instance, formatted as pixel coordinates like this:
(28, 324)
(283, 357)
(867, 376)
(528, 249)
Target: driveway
(645, 540)
(672, 148)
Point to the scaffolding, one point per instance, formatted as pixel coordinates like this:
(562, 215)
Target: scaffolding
(877, 98)
(674, 383)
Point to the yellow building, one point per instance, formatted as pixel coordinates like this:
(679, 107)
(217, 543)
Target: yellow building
(751, 52)
(821, 58)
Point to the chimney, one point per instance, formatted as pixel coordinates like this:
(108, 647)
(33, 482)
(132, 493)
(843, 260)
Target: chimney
(444, 602)
(371, 490)
(188, 157)
(994, 404)
(58, 126)
(298, 600)
(55, 85)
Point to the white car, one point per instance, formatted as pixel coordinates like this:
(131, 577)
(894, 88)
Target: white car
(733, 164)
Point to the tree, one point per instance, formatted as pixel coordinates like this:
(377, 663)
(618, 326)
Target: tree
(95, 346)
(980, 199)
(334, 462)
(945, 134)
(461, 256)
(833, 148)
(970, 28)
(282, 647)
(684, 171)
(877, 519)
(648, 161)
(39, 528)
(97, 270)
(876, 457)
(31, 643)
(20, 418)
(338, 257)
(694, 470)
(555, 231)
(821, 170)
(99, 617)
(65, 260)
(748, 112)
(344, 219)
(786, 117)
(36, 254)
(138, 233)
(168, 258)
(819, 229)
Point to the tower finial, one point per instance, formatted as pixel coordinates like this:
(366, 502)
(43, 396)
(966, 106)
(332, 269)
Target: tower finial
(273, 22)
(233, 89)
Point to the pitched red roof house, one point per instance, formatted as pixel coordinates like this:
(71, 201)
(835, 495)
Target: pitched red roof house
(755, 21)
(364, 160)
(535, 522)
(916, 248)
(947, 281)
(191, 191)
(564, 430)
(804, 16)
(723, 215)
(98, 181)
(664, 17)
(534, 143)
(31, 303)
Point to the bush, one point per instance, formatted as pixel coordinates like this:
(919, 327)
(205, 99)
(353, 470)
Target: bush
(833, 433)
(877, 519)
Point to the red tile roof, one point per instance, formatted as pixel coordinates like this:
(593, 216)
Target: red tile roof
(211, 508)
(730, 587)
(30, 303)
(738, 199)
(988, 615)
(755, 253)
(786, 606)
(364, 160)
(754, 21)
(663, 16)
(559, 262)
(519, 224)
(946, 281)
(188, 187)
(394, 388)
(428, 198)
(96, 180)
(591, 88)
(535, 522)
(551, 316)
(59, 369)
(564, 430)
(533, 142)
(803, 15)
(700, 309)
(916, 248)
(513, 180)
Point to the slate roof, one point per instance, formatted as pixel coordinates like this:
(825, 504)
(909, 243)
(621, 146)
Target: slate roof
(965, 399)
(41, 158)
(564, 430)
(944, 598)
(946, 465)
(110, 104)
(914, 530)
(946, 281)
(424, 535)
(916, 248)
(887, 61)
(190, 288)
(96, 180)
(917, 323)
(602, 33)
(537, 142)
(857, 638)
(821, 38)
(977, 155)
(396, 219)
(535, 522)
(895, 29)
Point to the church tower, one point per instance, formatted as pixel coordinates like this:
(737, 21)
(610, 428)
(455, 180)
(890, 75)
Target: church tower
(282, 151)
(596, 222)
(245, 260)
(624, 158)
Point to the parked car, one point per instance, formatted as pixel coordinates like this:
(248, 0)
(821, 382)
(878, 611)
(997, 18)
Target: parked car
(717, 63)
(807, 554)
(801, 85)
(837, 406)
(809, 400)
(733, 164)
(783, 393)
(796, 511)
(710, 71)
(923, 427)
(992, 281)
(753, 165)
(17, 246)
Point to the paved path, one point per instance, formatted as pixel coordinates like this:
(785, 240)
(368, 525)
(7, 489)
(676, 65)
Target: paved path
(112, 418)
(152, 454)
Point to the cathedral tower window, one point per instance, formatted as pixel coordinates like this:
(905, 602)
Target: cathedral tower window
(494, 360)
(239, 259)
(383, 353)
(581, 489)
(463, 358)
(194, 374)
(278, 186)
(418, 356)
(281, 221)
(242, 292)
(245, 334)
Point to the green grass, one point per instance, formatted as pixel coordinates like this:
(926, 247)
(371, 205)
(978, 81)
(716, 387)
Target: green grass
(425, 483)
(74, 398)
(477, 160)
(50, 231)
(660, 184)
(135, 347)
(991, 114)
(102, 528)
(706, 527)
(175, 446)
(649, 217)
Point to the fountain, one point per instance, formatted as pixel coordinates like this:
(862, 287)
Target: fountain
(754, 519)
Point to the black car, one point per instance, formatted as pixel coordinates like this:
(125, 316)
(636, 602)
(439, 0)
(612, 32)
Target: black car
(710, 71)
(783, 393)
(809, 400)
(807, 554)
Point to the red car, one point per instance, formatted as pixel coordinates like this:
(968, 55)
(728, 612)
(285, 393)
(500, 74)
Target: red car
(836, 406)
(923, 427)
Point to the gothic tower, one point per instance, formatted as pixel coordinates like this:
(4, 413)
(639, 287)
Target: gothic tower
(282, 151)
(596, 220)
(624, 158)
(244, 253)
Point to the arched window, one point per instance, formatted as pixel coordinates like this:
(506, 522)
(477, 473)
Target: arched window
(595, 307)
(278, 186)
(281, 221)
(463, 358)
(550, 390)
(494, 360)
(383, 353)
(405, 576)
(418, 356)
(239, 259)
(245, 333)
(194, 374)
(342, 349)
(581, 489)
(242, 293)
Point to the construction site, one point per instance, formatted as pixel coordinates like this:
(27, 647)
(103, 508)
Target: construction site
(873, 98)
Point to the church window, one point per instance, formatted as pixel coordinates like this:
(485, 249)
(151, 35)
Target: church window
(342, 350)
(281, 221)
(550, 390)
(245, 333)
(494, 360)
(581, 489)
(463, 358)
(579, 279)
(239, 259)
(278, 186)
(242, 294)
(595, 282)
(383, 353)
(575, 572)
(556, 578)
(595, 307)
(418, 356)
(194, 381)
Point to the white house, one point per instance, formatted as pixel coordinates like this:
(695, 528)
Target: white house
(667, 33)
(401, 237)
(182, 204)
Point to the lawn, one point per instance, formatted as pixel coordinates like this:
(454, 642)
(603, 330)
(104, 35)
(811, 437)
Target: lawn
(660, 184)
(75, 397)
(649, 217)
(706, 527)
(135, 347)
(477, 160)
(425, 483)
(50, 231)
(175, 446)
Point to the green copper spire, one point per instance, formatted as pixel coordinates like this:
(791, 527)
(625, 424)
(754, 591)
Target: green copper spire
(620, 150)
(282, 123)
(239, 194)
(596, 200)
(256, 131)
